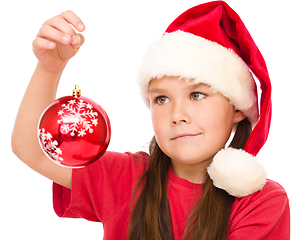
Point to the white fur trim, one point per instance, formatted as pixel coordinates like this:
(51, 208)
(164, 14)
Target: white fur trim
(191, 57)
(237, 172)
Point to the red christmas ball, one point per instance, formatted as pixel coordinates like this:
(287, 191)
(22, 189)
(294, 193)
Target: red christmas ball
(74, 131)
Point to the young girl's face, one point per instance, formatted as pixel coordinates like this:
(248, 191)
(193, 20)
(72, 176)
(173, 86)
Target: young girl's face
(191, 123)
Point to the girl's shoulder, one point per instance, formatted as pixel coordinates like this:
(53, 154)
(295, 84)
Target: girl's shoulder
(266, 210)
(117, 159)
(270, 191)
(271, 185)
(268, 203)
(274, 186)
(119, 167)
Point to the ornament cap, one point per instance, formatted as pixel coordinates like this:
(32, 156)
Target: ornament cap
(76, 91)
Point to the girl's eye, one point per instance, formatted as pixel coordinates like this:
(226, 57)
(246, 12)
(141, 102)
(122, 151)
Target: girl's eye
(162, 100)
(197, 96)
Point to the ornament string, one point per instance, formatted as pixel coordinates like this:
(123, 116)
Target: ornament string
(76, 45)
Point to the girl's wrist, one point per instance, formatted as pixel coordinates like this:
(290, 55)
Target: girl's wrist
(47, 74)
(41, 68)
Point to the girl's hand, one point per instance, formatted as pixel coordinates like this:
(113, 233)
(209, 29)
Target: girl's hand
(56, 41)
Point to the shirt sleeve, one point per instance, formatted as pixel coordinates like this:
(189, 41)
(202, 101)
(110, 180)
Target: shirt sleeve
(102, 188)
(263, 215)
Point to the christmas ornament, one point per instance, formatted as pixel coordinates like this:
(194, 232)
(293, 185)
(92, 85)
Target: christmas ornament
(74, 131)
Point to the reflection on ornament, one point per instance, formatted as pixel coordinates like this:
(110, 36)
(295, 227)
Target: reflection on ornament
(74, 131)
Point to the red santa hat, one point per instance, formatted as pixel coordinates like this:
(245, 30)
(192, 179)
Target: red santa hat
(210, 44)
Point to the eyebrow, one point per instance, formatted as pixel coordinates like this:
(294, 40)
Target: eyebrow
(157, 90)
(190, 88)
(198, 85)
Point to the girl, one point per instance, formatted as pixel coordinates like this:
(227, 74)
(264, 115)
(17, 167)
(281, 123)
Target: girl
(196, 80)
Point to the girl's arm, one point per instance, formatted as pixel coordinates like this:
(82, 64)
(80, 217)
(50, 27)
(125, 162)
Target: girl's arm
(53, 47)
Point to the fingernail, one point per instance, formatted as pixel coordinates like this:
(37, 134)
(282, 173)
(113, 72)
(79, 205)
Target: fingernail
(65, 39)
(75, 39)
(81, 27)
(51, 44)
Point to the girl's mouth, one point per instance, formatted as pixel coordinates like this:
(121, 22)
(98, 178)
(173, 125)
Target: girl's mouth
(184, 136)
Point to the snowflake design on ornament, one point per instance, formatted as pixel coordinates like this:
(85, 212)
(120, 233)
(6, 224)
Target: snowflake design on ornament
(50, 146)
(77, 117)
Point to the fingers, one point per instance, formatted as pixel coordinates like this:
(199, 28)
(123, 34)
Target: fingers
(41, 43)
(74, 20)
(59, 29)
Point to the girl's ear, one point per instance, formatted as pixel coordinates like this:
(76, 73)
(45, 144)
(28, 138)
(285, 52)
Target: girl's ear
(239, 116)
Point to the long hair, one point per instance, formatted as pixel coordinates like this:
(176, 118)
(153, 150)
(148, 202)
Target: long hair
(209, 220)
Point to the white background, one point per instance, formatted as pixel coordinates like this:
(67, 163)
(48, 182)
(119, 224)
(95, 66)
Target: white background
(117, 35)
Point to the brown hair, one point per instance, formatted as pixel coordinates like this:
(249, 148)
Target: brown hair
(209, 220)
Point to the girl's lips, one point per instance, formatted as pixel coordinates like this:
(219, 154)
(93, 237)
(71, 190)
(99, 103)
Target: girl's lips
(184, 136)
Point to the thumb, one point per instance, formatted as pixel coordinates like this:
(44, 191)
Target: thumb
(78, 40)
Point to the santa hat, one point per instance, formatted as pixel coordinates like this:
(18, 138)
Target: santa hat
(210, 44)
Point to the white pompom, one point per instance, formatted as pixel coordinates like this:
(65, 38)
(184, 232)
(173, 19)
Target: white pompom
(237, 172)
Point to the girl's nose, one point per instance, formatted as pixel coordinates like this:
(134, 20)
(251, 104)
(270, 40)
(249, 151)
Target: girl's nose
(180, 114)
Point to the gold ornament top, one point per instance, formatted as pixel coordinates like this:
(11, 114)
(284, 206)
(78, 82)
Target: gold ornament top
(76, 92)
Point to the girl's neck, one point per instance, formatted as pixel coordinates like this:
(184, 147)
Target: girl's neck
(195, 173)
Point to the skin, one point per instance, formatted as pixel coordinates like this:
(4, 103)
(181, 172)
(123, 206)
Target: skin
(191, 124)
(53, 46)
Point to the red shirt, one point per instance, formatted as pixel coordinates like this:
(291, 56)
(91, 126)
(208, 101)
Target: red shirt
(102, 192)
